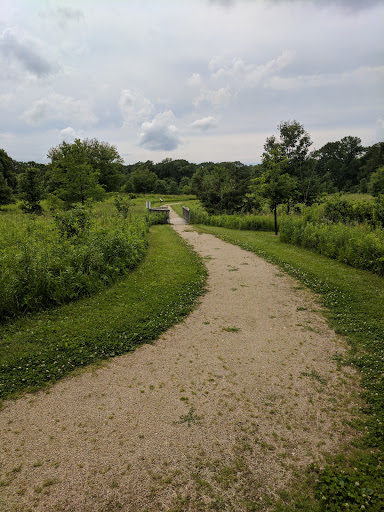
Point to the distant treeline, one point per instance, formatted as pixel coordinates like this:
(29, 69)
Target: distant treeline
(289, 173)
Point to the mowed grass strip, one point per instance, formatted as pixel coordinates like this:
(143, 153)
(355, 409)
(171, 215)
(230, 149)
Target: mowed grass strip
(44, 347)
(354, 301)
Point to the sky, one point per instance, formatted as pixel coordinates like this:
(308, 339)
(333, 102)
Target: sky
(202, 80)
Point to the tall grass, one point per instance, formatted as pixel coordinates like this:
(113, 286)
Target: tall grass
(359, 246)
(40, 268)
(241, 222)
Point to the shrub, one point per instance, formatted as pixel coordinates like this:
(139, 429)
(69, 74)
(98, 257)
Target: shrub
(41, 266)
(358, 246)
(242, 222)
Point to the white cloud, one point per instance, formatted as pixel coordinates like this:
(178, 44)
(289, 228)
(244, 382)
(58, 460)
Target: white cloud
(195, 80)
(134, 107)
(217, 98)
(160, 134)
(69, 134)
(363, 75)
(238, 73)
(57, 107)
(205, 123)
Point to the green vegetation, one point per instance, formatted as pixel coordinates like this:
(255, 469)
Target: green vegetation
(45, 346)
(46, 262)
(242, 222)
(354, 300)
(358, 246)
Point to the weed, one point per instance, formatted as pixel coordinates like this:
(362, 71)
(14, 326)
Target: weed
(231, 329)
(190, 418)
(315, 376)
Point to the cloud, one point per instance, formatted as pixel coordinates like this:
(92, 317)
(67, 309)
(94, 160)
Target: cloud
(205, 123)
(248, 75)
(225, 3)
(363, 75)
(57, 107)
(69, 134)
(70, 14)
(160, 134)
(217, 98)
(195, 80)
(349, 6)
(25, 54)
(63, 16)
(134, 107)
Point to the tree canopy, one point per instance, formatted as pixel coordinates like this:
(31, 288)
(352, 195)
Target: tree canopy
(73, 176)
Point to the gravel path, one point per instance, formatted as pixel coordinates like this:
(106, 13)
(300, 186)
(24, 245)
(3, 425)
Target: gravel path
(219, 412)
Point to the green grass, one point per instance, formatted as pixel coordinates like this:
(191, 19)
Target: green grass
(43, 347)
(354, 301)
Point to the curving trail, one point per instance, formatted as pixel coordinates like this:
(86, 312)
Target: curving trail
(218, 412)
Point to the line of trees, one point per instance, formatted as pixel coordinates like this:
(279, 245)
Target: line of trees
(290, 173)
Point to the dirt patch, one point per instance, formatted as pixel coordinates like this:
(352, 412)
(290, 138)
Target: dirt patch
(219, 412)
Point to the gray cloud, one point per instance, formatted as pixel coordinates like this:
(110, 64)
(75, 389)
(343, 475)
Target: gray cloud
(25, 54)
(160, 134)
(349, 6)
(57, 107)
(63, 16)
(70, 14)
(205, 123)
(134, 107)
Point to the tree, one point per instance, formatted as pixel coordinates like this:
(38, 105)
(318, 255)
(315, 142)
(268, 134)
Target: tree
(293, 148)
(143, 180)
(6, 196)
(276, 185)
(371, 161)
(222, 187)
(72, 175)
(341, 161)
(7, 169)
(105, 158)
(376, 183)
(31, 190)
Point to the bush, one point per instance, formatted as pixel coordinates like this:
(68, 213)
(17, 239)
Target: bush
(242, 222)
(41, 266)
(358, 246)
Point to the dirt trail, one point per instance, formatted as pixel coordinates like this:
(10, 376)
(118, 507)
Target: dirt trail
(216, 413)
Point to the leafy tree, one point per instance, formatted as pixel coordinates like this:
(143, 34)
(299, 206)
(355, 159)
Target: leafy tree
(222, 187)
(371, 161)
(173, 187)
(72, 175)
(275, 184)
(7, 169)
(105, 158)
(293, 148)
(161, 187)
(122, 205)
(143, 180)
(6, 196)
(341, 161)
(376, 183)
(31, 190)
